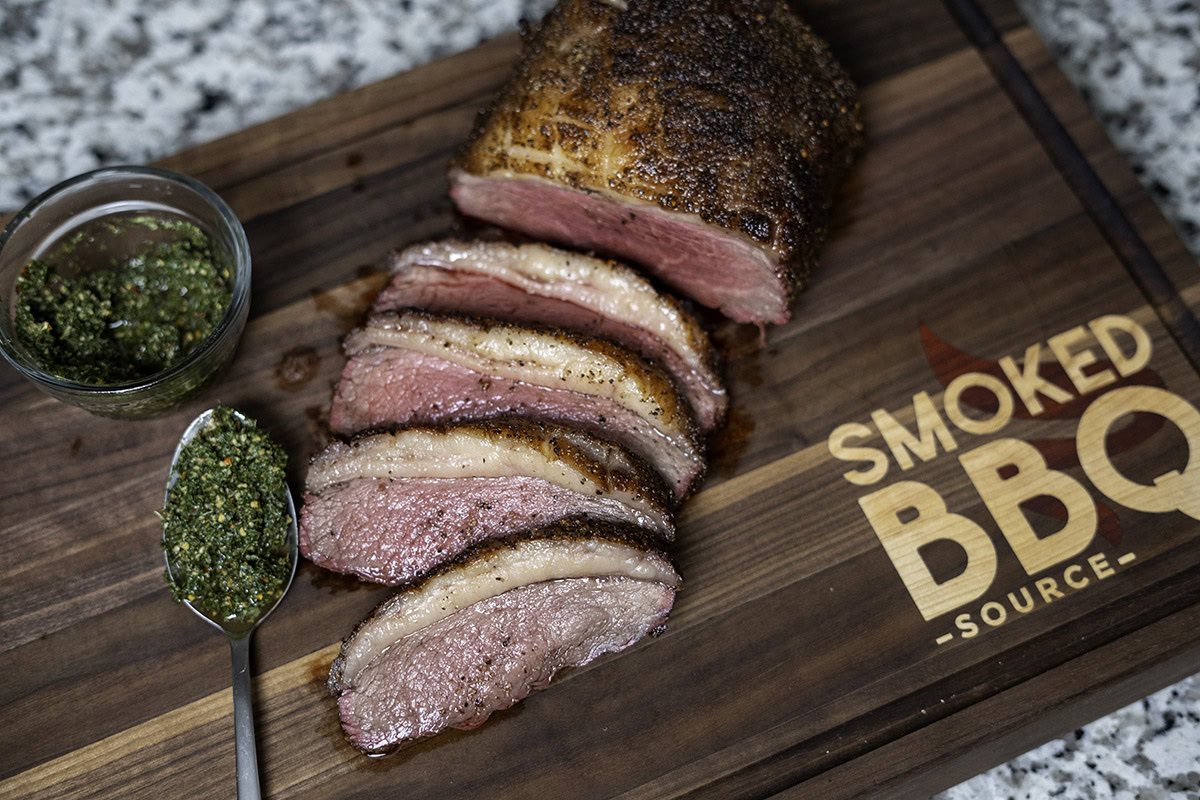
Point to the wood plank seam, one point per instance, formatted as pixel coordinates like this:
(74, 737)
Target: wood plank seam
(1170, 640)
(777, 742)
(1099, 203)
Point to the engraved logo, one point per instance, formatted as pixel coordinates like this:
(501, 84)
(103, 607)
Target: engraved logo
(1097, 375)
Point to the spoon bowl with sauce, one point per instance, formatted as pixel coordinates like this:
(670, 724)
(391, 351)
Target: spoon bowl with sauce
(219, 596)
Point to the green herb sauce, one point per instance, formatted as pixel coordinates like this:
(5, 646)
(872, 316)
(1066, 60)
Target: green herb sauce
(132, 317)
(225, 527)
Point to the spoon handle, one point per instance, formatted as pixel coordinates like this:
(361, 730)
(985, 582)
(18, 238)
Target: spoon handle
(243, 721)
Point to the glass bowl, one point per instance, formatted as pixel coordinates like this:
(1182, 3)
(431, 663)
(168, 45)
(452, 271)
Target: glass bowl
(66, 208)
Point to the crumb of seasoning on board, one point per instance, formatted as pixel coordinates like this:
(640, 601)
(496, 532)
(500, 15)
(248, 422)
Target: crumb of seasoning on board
(129, 318)
(225, 524)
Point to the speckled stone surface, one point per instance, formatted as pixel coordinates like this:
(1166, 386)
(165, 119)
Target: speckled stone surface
(90, 82)
(1149, 750)
(85, 83)
(1137, 62)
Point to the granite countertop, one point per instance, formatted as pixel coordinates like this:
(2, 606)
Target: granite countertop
(149, 77)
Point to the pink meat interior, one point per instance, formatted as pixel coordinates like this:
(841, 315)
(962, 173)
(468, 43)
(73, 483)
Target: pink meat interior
(716, 267)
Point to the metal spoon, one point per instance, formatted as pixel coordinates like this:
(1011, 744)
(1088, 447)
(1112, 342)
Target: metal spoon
(239, 634)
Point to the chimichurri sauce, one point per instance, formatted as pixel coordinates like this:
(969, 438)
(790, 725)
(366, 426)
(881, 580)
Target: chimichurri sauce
(135, 315)
(225, 527)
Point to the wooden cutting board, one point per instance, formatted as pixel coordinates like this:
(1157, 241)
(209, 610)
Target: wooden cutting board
(799, 660)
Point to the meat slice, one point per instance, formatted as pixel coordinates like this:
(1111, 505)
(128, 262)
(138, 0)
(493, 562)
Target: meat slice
(537, 284)
(391, 507)
(703, 139)
(483, 633)
(419, 368)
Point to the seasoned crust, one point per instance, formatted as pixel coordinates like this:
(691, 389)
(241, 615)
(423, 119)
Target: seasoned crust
(610, 466)
(731, 110)
(654, 387)
(570, 528)
(525, 256)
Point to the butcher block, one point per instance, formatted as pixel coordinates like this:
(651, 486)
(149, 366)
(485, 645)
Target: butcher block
(953, 514)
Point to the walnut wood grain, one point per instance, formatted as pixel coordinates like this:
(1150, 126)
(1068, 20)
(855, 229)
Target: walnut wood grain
(795, 660)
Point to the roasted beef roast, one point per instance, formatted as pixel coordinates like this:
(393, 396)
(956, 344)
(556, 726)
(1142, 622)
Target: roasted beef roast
(391, 507)
(413, 367)
(484, 632)
(538, 284)
(703, 139)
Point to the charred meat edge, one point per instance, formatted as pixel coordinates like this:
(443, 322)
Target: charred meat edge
(552, 358)
(733, 112)
(605, 287)
(571, 548)
(568, 458)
